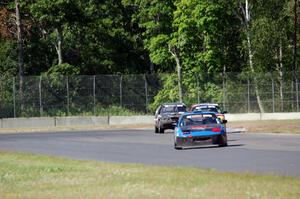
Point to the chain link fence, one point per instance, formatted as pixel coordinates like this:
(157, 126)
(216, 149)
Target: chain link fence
(278, 92)
(38, 96)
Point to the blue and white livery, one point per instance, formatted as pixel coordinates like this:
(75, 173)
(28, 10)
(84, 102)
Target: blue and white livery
(198, 128)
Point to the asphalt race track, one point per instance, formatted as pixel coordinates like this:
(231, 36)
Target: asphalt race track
(258, 153)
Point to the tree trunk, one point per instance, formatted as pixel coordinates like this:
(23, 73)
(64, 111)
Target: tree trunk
(224, 86)
(151, 67)
(260, 106)
(250, 54)
(20, 52)
(294, 69)
(295, 39)
(58, 45)
(175, 52)
(280, 70)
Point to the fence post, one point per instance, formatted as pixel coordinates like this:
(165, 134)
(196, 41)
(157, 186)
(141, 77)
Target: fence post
(94, 94)
(297, 94)
(121, 100)
(248, 98)
(14, 95)
(198, 89)
(273, 96)
(40, 96)
(68, 97)
(146, 92)
(224, 90)
(292, 94)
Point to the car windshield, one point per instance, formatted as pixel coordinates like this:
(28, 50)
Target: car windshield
(209, 109)
(198, 119)
(170, 109)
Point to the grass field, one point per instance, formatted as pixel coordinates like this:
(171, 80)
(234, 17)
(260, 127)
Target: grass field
(36, 176)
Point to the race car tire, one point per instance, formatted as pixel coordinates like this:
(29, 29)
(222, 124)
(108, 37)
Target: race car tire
(177, 147)
(156, 129)
(223, 140)
(160, 128)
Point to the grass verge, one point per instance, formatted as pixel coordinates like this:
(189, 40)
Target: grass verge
(35, 176)
(74, 128)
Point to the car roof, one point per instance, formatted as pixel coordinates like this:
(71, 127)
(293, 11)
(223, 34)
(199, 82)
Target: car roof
(173, 104)
(200, 112)
(206, 104)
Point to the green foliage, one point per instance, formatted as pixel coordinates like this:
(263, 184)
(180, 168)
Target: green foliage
(154, 17)
(63, 69)
(134, 36)
(114, 111)
(269, 33)
(206, 90)
(211, 93)
(8, 57)
(124, 36)
(200, 35)
(6, 96)
(100, 110)
(169, 92)
(197, 31)
(55, 13)
(158, 47)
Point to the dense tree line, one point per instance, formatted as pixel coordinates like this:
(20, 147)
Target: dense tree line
(138, 36)
(188, 37)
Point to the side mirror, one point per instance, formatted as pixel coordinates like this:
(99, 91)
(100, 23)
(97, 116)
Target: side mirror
(223, 112)
(224, 121)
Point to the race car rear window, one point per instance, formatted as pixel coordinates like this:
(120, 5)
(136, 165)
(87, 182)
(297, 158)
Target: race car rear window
(210, 109)
(167, 109)
(191, 120)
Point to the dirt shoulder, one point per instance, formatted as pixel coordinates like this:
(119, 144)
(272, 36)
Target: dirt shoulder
(268, 126)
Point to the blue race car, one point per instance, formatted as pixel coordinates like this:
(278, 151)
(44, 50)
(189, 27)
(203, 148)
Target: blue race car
(199, 128)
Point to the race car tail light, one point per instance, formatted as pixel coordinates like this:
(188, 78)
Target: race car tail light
(216, 129)
(221, 116)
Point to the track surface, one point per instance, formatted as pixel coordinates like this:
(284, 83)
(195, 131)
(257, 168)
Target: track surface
(258, 153)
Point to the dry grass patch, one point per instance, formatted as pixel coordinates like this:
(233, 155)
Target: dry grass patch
(268, 126)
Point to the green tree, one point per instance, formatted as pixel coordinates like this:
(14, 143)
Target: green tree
(8, 58)
(54, 17)
(154, 18)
